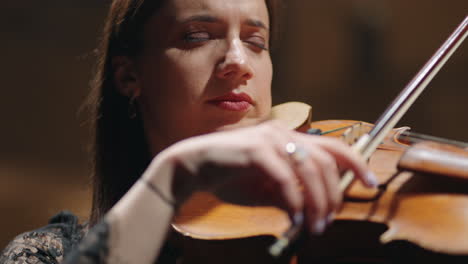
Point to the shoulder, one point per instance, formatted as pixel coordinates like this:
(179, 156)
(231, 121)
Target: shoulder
(47, 244)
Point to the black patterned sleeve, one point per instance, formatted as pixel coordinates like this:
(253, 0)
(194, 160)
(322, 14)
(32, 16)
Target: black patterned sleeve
(46, 245)
(94, 247)
(65, 241)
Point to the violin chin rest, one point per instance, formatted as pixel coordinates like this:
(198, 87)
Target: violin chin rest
(294, 115)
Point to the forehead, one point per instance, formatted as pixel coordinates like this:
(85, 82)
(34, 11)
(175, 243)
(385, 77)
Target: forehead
(223, 9)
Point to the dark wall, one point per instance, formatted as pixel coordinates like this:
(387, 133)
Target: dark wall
(346, 58)
(46, 64)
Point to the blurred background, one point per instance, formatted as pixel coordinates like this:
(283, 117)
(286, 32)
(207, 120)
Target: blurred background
(348, 59)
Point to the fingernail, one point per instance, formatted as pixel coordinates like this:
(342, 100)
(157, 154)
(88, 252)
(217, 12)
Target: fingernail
(319, 226)
(330, 218)
(298, 218)
(372, 179)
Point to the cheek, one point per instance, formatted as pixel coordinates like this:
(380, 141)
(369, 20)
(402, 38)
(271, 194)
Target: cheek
(175, 76)
(186, 72)
(264, 80)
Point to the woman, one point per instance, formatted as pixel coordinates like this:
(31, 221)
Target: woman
(170, 73)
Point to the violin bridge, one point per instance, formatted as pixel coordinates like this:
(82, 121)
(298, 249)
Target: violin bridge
(353, 133)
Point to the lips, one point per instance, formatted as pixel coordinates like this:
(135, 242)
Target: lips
(238, 102)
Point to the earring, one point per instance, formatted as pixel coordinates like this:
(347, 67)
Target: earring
(132, 113)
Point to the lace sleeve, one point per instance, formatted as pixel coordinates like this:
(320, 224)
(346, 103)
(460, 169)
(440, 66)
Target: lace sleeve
(94, 247)
(46, 245)
(65, 241)
(34, 247)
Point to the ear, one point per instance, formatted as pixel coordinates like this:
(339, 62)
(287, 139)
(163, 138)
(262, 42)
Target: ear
(125, 76)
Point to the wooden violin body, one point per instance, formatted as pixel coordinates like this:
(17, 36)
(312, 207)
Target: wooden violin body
(412, 214)
(418, 213)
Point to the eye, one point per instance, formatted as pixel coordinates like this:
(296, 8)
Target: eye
(197, 36)
(257, 42)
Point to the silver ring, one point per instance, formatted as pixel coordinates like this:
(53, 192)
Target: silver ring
(297, 153)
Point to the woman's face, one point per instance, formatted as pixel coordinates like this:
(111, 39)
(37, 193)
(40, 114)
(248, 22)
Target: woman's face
(204, 67)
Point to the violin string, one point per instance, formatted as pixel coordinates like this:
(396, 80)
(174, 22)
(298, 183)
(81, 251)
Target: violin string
(335, 130)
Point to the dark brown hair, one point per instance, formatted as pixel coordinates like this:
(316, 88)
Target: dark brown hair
(120, 151)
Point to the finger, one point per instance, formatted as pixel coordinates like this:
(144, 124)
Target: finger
(344, 157)
(321, 195)
(280, 171)
(315, 201)
(330, 177)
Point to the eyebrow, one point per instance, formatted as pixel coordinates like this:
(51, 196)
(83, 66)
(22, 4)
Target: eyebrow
(212, 19)
(256, 23)
(200, 18)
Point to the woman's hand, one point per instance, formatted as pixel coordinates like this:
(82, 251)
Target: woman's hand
(265, 164)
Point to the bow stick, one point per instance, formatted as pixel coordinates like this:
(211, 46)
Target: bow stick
(368, 143)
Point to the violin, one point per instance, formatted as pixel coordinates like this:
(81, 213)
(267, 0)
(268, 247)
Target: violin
(419, 212)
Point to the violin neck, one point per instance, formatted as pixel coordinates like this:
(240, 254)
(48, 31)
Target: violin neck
(411, 138)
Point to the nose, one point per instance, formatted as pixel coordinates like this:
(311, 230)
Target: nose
(235, 64)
